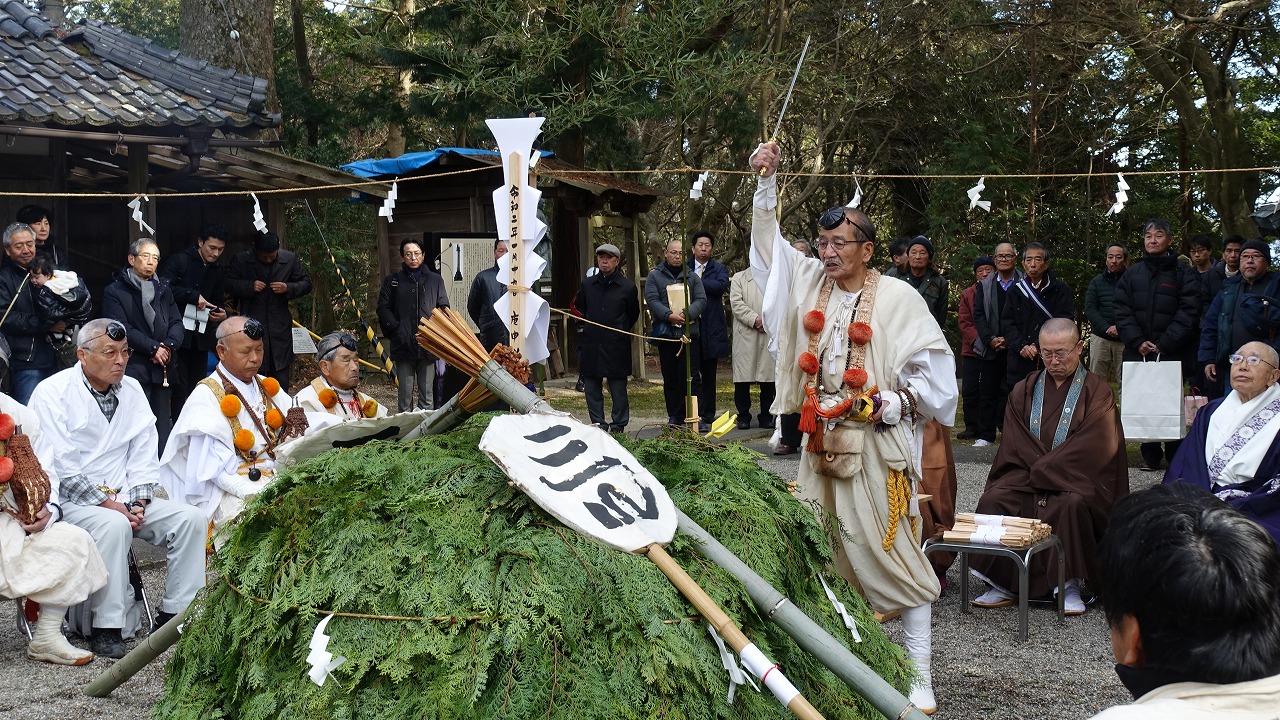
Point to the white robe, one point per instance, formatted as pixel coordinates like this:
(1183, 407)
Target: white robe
(907, 349)
(77, 439)
(58, 566)
(308, 399)
(200, 464)
(1224, 423)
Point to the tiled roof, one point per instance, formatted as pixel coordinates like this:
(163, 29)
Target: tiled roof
(100, 76)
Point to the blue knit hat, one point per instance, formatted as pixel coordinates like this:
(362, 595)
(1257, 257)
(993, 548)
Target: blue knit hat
(921, 240)
(984, 260)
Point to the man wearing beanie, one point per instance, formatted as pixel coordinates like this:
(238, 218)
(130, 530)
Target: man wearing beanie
(925, 277)
(1247, 309)
(1157, 304)
(263, 281)
(974, 372)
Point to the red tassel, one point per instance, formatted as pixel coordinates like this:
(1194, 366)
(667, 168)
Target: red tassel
(815, 441)
(809, 412)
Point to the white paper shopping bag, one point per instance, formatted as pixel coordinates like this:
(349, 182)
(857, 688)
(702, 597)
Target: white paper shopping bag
(1151, 406)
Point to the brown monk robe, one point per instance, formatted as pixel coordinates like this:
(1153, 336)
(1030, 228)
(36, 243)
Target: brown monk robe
(1071, 487)
(938, 478)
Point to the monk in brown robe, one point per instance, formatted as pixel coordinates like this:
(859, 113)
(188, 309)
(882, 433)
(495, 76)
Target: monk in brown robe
(1062, 461)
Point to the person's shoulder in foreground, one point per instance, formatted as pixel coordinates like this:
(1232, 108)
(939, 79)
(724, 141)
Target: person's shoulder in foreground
(1189, 588)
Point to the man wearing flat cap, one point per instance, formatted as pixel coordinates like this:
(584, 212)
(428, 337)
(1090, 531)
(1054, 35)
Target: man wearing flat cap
(1246, 310)
(609, 304)
(334, 392)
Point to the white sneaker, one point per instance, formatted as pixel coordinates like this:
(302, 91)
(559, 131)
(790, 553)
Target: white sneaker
(981, 443)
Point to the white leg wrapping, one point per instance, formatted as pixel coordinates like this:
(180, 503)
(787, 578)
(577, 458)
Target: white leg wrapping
(917, 622)
(48, 644)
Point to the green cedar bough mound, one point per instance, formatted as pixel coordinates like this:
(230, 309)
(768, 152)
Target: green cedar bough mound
(487, 607)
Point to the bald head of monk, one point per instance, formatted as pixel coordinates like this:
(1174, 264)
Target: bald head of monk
(1254, 368)
(240, 346)
(1060, 347)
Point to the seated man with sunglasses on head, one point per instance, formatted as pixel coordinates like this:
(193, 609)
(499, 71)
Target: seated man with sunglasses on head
(866, 366)
(334, 392)
(97, 443)
(1233, 448)
(222, 449)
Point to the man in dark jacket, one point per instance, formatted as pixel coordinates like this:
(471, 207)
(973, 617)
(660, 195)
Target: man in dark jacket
(1037, 297)
(144, 303)
(671, 358)
(1226, 325)
(988, 304)
(485, 291)
(264, 281)
(1157, 304)
(608, 298)
(1211, 281)
(1106, 352)
(34, 358)
(973, 369)
(924, 276)
(407, 296)
(714, 330)
(196, 279)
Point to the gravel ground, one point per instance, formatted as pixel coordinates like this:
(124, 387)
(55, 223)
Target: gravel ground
(1063, 671)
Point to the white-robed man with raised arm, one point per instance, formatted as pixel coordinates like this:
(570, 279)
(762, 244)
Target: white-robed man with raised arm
(221, 451)
(98, 443)
(866, 366)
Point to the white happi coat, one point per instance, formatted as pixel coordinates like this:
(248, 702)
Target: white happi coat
(308, 398)
(58, 566)
(200, 465)
(907, 349)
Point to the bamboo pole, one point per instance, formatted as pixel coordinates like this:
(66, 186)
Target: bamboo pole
(157, 642)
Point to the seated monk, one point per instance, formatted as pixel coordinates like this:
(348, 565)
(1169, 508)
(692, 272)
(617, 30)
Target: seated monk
(222, 448)
(1062, 462)
(1233, 449)
(98, 444)
(334, 392)
(48, 562)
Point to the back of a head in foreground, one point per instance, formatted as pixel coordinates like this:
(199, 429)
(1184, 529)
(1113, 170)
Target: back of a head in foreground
(1202, 580)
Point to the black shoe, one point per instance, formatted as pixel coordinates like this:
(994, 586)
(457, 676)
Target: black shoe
(580, 387)
(967, 435)
(766, 424)
(617, 430)
(744, 424)
(106, 642)
(162, 618)
(703, 426)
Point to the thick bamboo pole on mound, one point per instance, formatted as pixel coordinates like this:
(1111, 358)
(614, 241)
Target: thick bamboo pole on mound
(810, 636)
(126, 667)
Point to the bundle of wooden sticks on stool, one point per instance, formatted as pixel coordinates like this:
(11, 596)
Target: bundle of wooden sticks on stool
(1006, 530)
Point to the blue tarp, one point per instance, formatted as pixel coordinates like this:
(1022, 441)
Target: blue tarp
(408, 163)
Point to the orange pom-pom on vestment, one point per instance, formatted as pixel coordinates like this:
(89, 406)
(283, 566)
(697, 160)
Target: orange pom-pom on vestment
(230, 405)
(860, 333)
(370, 407)
(814, 320)
(328, 398)
(271, 385)
(274, 418)
(6, 469)
(245, 441)
(855, 378)
(7, 428)
(808, 363)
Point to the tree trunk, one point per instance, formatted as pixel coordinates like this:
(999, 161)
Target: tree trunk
(302, 58)
(236, 35)
(396, 140)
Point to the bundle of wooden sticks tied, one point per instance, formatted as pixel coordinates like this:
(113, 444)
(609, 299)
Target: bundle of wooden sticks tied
(1007, 530)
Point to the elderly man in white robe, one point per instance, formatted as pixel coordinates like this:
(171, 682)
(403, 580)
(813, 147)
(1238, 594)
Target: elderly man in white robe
(863, 361)
(51, 563)
(221, 451)
(98, 444)
(335, 391)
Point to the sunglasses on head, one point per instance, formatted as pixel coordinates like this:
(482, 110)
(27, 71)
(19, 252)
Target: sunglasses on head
(836, 216)
(115, 331)
(252, 329)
